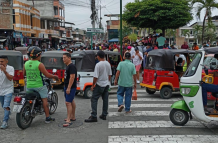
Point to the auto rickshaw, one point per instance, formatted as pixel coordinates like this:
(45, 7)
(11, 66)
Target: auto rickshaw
(211, 63)
(85, 62)
(15, 59)
(161, 73)
(54, 60)
(191, 90)
(23, 50)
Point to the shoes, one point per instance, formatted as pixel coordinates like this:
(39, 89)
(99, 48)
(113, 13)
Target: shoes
(4, 125)
(102, 117)
(208, 110)
(138, 81)
(49, 119)
(91, 119)
(120, 108)
(128, 112)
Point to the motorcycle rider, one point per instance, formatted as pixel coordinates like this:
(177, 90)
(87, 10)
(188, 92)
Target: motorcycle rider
(33, 71)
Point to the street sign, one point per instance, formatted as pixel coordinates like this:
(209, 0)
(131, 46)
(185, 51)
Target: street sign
(95, 30)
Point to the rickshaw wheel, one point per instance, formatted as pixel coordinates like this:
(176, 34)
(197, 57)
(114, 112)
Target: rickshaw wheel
(179, 117)
(88, 93)
(149, 91)
(166, 92)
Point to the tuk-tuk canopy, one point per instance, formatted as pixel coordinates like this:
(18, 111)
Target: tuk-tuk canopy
(85, 61)
(15, 58)
(23, 50)
(211, 50)
(53, 59)
(164, 59)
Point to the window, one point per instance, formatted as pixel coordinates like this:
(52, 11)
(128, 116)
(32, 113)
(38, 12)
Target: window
(55, 10)
(13, 16)
(193, 66)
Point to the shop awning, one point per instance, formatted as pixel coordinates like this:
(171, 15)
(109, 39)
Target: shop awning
(114, 40)
(2, 40)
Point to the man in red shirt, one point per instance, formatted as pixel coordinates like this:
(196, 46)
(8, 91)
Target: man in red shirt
(185, 46)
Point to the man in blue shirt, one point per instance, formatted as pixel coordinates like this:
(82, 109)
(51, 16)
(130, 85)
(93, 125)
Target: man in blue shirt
(149, 48)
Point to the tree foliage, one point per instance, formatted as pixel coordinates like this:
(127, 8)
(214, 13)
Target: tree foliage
(158, 14)
(208, 6)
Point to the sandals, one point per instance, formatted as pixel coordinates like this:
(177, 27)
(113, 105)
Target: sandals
(120, 108)
(70, 120)
(67, 124)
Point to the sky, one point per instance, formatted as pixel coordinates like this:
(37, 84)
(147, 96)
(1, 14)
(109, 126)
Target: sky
(80, 15)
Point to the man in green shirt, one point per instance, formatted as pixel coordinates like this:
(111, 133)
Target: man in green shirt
(33, 71)
(161, 41)
(126, 72)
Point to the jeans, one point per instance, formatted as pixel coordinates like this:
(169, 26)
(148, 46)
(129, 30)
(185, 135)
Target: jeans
(97, 92)
(128, 97)
(208, 88)
(6, 101)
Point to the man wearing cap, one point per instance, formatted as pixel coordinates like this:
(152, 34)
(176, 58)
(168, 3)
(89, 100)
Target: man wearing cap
(137, 61)
(125, 72)
(100, 86)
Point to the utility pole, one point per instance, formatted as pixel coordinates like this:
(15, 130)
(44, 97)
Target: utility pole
(93, 13)
(121, 28)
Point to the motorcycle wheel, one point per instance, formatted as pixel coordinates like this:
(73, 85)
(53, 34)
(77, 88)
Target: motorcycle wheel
(179, 117)
(53, 103)
(24, 119)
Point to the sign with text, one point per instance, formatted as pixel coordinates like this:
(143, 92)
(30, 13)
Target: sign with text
(95, 30)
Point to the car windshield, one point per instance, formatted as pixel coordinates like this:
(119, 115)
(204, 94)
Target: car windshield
(51, 62)
(193, 66)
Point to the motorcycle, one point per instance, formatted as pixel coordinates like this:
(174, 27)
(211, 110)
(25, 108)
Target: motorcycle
(27, 105)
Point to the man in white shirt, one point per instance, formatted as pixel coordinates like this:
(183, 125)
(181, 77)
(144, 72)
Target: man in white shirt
(137, 61)
(6, 88)
(100, 86)
(177, 56)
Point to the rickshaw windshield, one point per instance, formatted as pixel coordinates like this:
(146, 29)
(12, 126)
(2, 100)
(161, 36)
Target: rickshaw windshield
(16, 62)
(194, 65)
(53, 62)
(157, 63)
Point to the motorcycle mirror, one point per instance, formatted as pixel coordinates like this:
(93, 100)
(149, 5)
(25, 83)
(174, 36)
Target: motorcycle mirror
(206, 70)
(54, 70)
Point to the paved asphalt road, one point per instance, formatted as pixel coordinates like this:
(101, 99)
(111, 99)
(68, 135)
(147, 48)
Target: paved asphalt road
(149, 122)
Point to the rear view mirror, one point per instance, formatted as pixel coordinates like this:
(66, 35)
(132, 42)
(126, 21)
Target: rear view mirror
(54, 70)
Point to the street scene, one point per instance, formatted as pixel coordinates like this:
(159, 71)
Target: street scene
(109, 71)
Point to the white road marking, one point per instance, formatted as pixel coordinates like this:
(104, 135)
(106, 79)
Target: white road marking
(140, 113)
(163, 139)
(152, 124)
(148, 99)
(143, 105)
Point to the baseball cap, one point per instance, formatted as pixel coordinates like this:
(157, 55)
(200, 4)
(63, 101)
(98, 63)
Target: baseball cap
(129, 47)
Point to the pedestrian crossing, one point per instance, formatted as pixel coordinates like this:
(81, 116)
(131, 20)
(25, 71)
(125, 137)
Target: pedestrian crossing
(149, 123)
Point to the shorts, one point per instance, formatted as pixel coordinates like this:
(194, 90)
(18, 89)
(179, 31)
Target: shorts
(137, 68)
(43, 91)
(69, 97)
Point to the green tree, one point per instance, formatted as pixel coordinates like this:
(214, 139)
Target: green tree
(127, 30)
(208, 6)
(197, 32)
(158, 14)
(132, 37)
(171, 33)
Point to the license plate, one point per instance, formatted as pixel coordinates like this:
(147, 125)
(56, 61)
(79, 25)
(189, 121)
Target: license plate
(17, 108)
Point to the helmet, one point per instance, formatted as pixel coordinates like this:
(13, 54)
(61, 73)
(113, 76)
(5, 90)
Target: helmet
(34, 52)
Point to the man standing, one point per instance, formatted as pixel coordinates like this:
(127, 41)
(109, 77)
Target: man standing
(137, 61)
(100, 86)
(125, 72)
(161, 41)
(6, 88)
(36, 83)
(185, 46)
(195, 47)
(70, 83)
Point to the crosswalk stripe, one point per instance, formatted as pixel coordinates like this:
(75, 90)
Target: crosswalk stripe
(143, 105)
(148, 99)
(139, 95)
(152, 124)
(140, 113)
(163, 138)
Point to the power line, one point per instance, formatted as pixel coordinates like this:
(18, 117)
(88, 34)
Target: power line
(83, 22)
